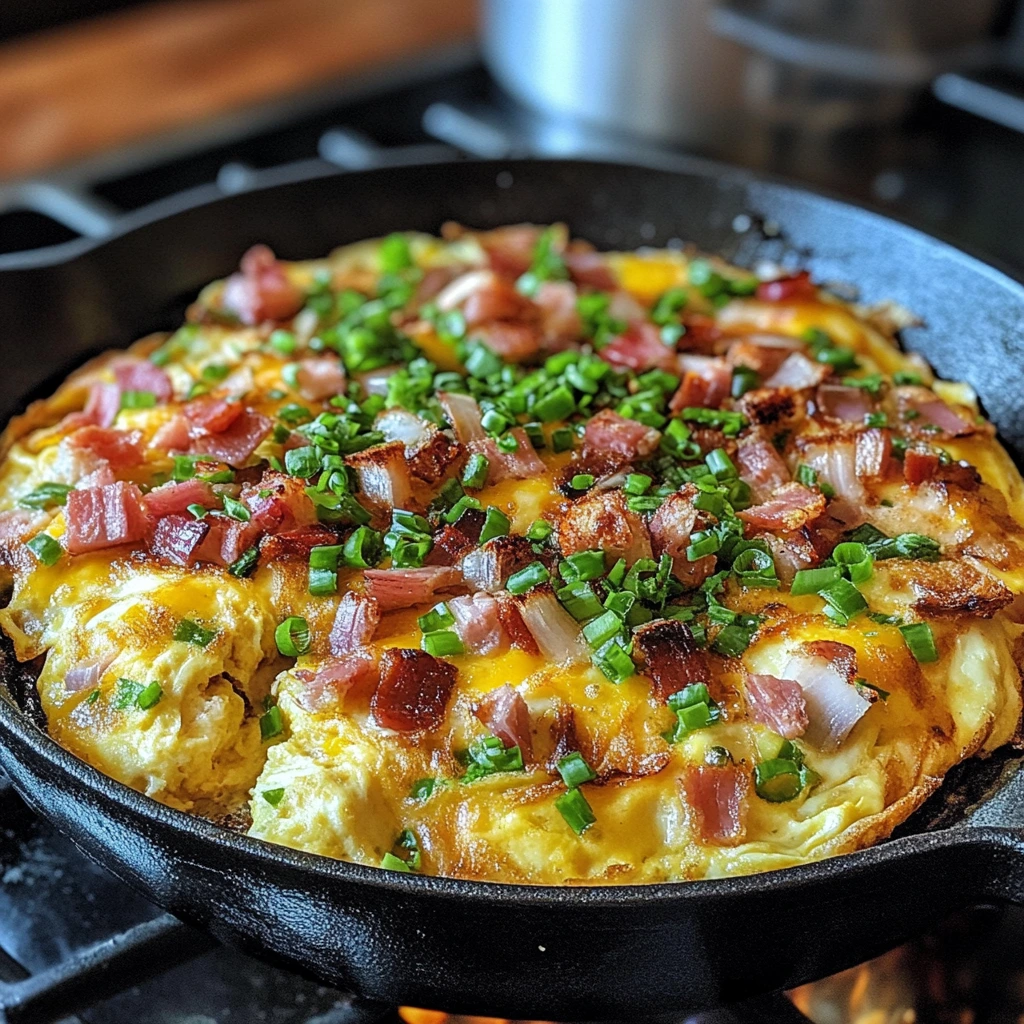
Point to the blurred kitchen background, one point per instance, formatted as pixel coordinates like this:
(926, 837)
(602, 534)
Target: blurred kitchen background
(110, 106)
(106, 106)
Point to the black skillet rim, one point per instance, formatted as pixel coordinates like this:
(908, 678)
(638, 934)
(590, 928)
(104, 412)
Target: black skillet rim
(330, 869)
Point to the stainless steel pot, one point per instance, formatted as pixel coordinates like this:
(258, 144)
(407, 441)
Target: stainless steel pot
(714, 74)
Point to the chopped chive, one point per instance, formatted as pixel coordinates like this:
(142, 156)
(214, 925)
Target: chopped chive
(215, 371)
(558, 404)
(580, 601)
(563, 440)
(245, 564)
(322, 582)
(392, 863)
(778, 780)
(720, 464)
(273, 796)
(46, 496)
(271, 723)
(811, 581)
(475, 473)
(423, 789)
(235, 509)
(614, 661)
(439, 617)
(137, 399)
(442, 643)
(539, 531)
(637, 483)
(581, 481)
(575, 770)
(325, 556)
(283, 341)
(844, 597)
(605, 627)
(364, 548)
(578, 814)
(526, 579)
(921, 641)
(292, 636)
(701, 544)
(189, 632)
(149, 696)
(197, 510)
(496, 524)
(45, 548)
(732, 640)
(855, 560)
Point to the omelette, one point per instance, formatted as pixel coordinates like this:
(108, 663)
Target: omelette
(494, 556)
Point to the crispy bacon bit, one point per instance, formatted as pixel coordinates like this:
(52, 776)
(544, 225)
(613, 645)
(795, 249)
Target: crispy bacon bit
(178, 538)
(297, 543)
(778, 704)
(510, 249)
(464, 414)
(404, 588)
(512, 620)
(792, 552)
(702, 334)
(490, 298)
(489, 566)
(589, 268)
(951, 587)
(520, 464)
(505, 713)
(355, 622)
(717, 799)
(919, 465)
(431, 461)
(86, 675)
(279, 501)
(834, 705)
(172, 436)
(670, 656)
(640, 348)
(706, 382)
(335, 678)
(931, 411)
(455, 541)
(413, 691)
(791, 507)
(670, 530)
(841, 656)
(513, 340)
(262, 290)
(119, 449)
(563, 736)
(102, 406)
(104, 517)
(209, 415)
(773, 407)
(320, 378)
(383, 475)
(227, 540)
(557, 633)
(761, 466)
(797, 372)
(559, 321)
(173, 498)
(762, 353)
(478, 623)
(841, 402)
(795, 288)
(610, 435)
(235, 444)
(874, 451)
(603, 521)
(834, 459)
(141, 375)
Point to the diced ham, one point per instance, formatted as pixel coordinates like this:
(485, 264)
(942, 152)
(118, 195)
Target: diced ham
(279, 502)
(104, 517)
(717, 800)
(464, 414)
(706, 382)
(559, 320)
(262, 290)
(209, 415)
(510, 249)
(404, 588)
(489, 566)
(919, 465)
(483, 296)
(590, 269)
(874, 451)
(761, 466)
(762, 353)
(603, 521)
(335, 678)
(119, 449)
(931, 411)
(791, 552)
(834, 705)
(173, 435)
(226, 541)
(383, 475)
(178, 538)
(86, 675)
(320, 378)
(834, 459)
(701, 334)
(556, 632)
(670, 529)
(413, 690)
(355, 622)
(236, 444)
(640, 348)
(521, 464)
(797, 372)
(609, 434)
(842, 402)
(142, 375)
(790, 507)
(795, 288)
(478, 623)
(175, 498)
(102, 406)
(505, 713)
(778, 704)
(670, 656)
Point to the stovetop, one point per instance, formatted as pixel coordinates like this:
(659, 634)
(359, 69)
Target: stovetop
(78, 934)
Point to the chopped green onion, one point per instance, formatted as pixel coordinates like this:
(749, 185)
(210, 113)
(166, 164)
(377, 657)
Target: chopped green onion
(394, 254)
(580, 601)
(744, 379)
(363, 549)
(855, 559)
(325, 556)
(292, 636)
(423, 789)
(527, 578)
(189, 632)
(45, 548)
(906, 377)
(507, 443)
(583, 565)
(482, 362)
(778, 780)
(496, 524)
(489, 755)
(282, 341)
(806, 475)
(322, 582)
(720, 464)
(563, 440)
(215, 371)
(730, 423)
(694, 710)
(921, 641)
(637, 483)
(392, 863)
(872, 383)
(273, 796)
(733, 639)
(602, 629)
(46, 496)
(575, 770)
(271, 723)
(844, 597)
(464, 504)
(197, 510)
(439, 617)
(442, 643)
(811, 581)
(137, 399)
(614, 661)
(558, 404)
(235, 509)
(539, 531)
(755, 568)
(578, 814)
(475, 473)
(245, 564)
(876, 419)
(304, 462)
(582, 481)
(149, 696)
(701, 544)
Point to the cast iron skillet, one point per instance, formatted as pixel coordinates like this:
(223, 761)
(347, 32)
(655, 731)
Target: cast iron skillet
(518, 951)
